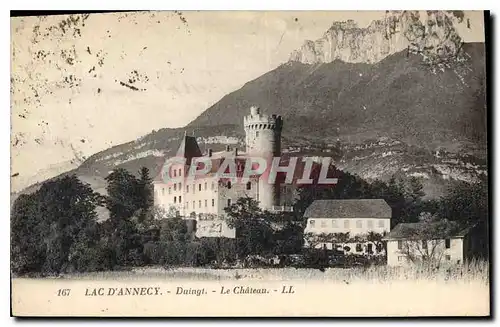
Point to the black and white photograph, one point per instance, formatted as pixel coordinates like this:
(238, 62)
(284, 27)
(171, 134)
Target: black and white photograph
(250, 163)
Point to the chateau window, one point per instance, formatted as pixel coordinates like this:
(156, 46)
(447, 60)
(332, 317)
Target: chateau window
(381, 223)
(213, 202)
(180, 199)
(323, 223)
(180, 186)
(199, 203)
(175, 173)
(206, 205)
(180, 172)
(199, 187)
(169, 190)
(346, 223)
(187, 205)
(400, 244)
(187, 188)
(257, 133)
(334, 223)
(175, 187)
(205, 186)
(447, 243)
(359, 248)
(194, 204)
(359, 224)
(228, 202)
(194, 188)
(229, 184)
(213, 185)
(312, 222)
(175, 199)
(162, 191)
(370, 223)
(249, 186)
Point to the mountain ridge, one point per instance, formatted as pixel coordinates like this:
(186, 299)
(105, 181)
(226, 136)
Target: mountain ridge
(431, 32)
(347, 111)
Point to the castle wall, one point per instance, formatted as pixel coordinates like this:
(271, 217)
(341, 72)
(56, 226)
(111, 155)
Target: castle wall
(263, 139)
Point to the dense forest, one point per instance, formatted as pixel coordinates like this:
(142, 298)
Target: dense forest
(55, 229)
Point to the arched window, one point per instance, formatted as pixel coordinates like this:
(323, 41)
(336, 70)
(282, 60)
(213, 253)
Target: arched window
(228, 184)
(175, 199)
(249, 186)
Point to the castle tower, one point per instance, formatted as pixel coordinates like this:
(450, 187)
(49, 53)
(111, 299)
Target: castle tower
(263, 139)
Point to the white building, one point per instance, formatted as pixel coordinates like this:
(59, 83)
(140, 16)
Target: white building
(442, 242)
(358, 217)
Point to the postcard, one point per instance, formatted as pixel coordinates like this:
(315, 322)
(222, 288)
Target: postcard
(250, 164)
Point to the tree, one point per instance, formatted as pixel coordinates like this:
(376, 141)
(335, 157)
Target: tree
(27, 248)
(145, 190)
(54, 223)
(123, 199)
(376, 239)
(467, 203)
(254, 234)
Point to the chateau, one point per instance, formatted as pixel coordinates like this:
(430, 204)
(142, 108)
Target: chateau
(203, 197)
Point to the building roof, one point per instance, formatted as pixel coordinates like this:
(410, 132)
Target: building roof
(188, 149)
(352, 208)
(427, 231)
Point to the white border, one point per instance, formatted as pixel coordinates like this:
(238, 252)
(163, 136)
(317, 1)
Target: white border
(189, 5)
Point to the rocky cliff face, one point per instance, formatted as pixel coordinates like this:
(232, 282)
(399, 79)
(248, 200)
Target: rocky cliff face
(431, 33)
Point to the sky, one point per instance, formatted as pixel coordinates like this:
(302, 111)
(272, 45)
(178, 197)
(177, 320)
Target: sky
(84, 83)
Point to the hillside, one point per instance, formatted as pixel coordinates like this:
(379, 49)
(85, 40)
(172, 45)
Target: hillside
(398, 97)
(396, 117)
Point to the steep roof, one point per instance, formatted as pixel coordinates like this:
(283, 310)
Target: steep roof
(188, 149)
(352, 208)
(427, 231)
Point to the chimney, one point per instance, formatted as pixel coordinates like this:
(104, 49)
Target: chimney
(209, 152)
(228, 148)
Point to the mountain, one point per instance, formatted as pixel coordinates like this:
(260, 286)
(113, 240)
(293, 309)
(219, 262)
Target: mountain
(399, 97)
(411, 113)
(433, 32)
